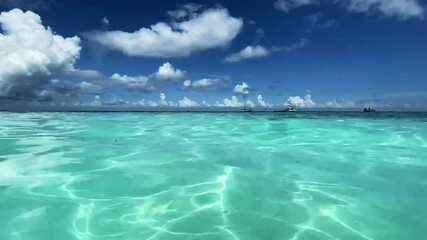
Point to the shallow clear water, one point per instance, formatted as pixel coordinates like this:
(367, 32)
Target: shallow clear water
(213, 176)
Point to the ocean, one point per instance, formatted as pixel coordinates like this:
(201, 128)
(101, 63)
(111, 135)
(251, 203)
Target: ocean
(237, 176)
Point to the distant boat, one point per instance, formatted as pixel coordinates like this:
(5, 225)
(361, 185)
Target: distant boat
(245, 109)
(369, 110)
(288, 109)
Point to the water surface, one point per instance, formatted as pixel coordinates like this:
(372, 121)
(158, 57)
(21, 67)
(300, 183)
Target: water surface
(236, 176)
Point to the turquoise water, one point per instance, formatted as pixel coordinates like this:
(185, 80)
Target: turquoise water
(234, 176)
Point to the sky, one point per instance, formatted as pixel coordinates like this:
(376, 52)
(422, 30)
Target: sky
(154, 55)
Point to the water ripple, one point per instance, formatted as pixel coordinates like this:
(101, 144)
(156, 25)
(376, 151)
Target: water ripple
(213, 176)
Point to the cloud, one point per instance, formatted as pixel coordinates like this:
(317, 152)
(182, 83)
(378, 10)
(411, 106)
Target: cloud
(105, 21)
(186, 102)
(274, 85)
(242, 89)
(247, 53)
(328, 23)
(167, 71)
(148, 103)
(31, 55)
(90, 74)
(115, 102)
(96, 101)
(89, 87)
(287, 5)
(162, 101)
(60, 88)
(339, 104)
(184, 11)
(233, 102)
(152, 103)
(187, 84)
(262, 103)
(136, 83)
(249, 103)
(294, 46)
(64, 88)
(402, 9)
(172, 104)
(314, 18)
(213, 28)
(45, 96)
(317, 20)
(308, 102)
(206, 84)
(259, 34)
(206, 104)
(298, 101)
(26, 4)
(202, 83)
(260, 51)
(149, 83)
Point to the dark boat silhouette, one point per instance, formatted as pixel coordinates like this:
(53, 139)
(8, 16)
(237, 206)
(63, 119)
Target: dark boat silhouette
(369, 110)
(288, 109)
(245, 109)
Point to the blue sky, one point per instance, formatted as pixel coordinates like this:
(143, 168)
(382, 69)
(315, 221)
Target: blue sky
(310, 54)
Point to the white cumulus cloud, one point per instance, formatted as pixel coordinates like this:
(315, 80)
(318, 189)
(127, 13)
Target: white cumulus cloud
(234, 102)
(203, 84)
(247, 53)
(262, 102)
(151, 103)
(172, 104)
(162, 101)
(210, 29)
(308, 102)
(167, 71)
(89, 87)
(31, 54)
(150, 82)
(96, 101)
(241, 89)
(138, 83)
(298, 101)
(249, 103)
(186, 102)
